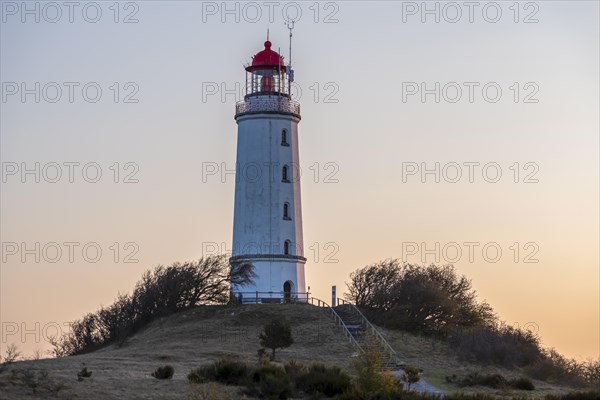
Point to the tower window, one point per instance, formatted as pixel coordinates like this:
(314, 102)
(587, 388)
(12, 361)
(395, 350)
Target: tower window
(286, 247)
(284, 138)
(285, 174)
(286, 211)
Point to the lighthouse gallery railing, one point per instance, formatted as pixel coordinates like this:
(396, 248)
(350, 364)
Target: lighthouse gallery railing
(267, 104)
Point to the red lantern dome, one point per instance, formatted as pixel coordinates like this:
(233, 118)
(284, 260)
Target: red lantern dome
(266, 59)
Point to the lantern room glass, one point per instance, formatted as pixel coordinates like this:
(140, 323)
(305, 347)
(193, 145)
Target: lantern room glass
(267, 82)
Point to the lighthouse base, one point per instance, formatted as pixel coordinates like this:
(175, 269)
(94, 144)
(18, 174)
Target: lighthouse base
(280, 279)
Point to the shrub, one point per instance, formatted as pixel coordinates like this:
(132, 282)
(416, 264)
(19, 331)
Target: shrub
(209, 391)
(165, 372)
(12, 354)
(417, 298)
(522, 384)
(276, 334)
(263, 356)
(202, 374)
(319, 379)
(293, 369)
(411, 375)
(496, 345)
(271, 381)
(41, 384)
(160, 292)
(495, 381)
(371, 382)
(83, 373)
(229, 372)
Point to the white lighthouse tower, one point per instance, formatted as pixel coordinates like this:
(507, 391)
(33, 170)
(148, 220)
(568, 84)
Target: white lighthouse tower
(267, 224)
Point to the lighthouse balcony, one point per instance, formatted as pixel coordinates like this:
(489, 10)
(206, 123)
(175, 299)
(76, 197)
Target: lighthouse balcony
(267, 104)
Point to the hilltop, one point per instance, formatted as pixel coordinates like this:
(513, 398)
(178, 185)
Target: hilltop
(207, 333)
(184, 340)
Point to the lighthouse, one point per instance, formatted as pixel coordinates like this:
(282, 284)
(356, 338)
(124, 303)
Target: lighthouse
(267, 223)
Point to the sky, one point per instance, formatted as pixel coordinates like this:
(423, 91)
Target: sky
(431, 132)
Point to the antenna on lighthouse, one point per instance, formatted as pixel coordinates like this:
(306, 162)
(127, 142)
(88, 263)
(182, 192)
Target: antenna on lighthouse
(290, 24)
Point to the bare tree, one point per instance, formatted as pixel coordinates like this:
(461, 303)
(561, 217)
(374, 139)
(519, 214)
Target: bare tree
(160, 292)
(37, 354)
(12, 354)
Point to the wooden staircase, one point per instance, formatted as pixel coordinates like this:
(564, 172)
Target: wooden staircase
(366, 336)
(361, 333)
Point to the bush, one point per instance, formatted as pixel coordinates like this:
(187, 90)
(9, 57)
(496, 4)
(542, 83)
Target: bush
(271, 381)
(203, 374)
(160, 292)
(553, 367)
(411, 375)
(293, 369)
(319, 379)
(522, 384)
(277, 334)
(83, 373)
(229, 372)
(371, 382)
(495, 381)
(416, 298)
(165, 372)
(496, 345)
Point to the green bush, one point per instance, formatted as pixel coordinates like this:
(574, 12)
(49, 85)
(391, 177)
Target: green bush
(411, 375)
(293, 369)
(522, 384)
(495, 381)
(371, 382)
(277, 334)
(271, 381)
(202, 374)
(229, 372)
(556, 368)
(319, 379)
(84, 373)
(165, 372)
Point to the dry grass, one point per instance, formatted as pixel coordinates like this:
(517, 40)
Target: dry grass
(185, 341)
(437, 361)
(189, 339)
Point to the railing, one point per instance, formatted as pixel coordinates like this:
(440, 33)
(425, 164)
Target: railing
(267, 104)
(338, 319)
(370, 326)
(271, 297)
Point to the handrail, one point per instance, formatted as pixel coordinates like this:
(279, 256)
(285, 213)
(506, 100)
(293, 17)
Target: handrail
(285, 297)
(339, 320)
(258, 104)
(375, 331)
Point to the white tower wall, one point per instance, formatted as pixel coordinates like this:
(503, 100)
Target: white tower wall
(260, 229)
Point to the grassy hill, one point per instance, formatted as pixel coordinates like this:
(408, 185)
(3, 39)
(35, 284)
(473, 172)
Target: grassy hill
(188, 339)
(184, 340)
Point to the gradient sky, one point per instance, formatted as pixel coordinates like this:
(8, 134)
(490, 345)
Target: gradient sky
(364, 57)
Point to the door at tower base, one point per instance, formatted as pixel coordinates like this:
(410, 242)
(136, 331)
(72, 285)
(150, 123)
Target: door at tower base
(278, 281)
(267, 222)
